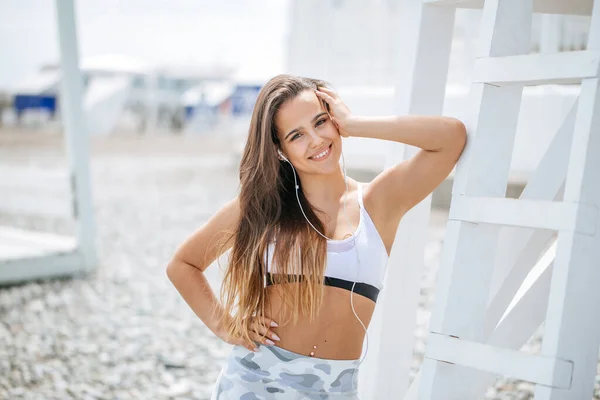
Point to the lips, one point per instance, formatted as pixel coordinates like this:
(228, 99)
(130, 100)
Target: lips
(328, 149)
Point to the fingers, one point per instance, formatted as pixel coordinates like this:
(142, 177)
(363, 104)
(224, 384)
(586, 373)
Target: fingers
(250, 345)
(327, 90)
(259, 333)
(259, 339)
(259, 326)
(324, 96)
(268, 321)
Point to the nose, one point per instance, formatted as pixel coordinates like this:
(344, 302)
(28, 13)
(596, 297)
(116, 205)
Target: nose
(316, 141)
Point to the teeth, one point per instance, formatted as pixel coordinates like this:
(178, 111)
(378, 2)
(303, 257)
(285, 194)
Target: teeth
(320, 155)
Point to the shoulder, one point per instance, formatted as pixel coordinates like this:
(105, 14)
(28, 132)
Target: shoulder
(376, 205)
(369, 198)
(213, 238)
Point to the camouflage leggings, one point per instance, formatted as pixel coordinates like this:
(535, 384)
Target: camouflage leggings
(276, 373)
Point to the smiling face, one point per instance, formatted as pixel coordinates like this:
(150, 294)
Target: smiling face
(307, 136)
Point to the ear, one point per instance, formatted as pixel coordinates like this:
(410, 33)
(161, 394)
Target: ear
(279, 154)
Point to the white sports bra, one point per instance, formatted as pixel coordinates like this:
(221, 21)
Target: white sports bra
(342, 264)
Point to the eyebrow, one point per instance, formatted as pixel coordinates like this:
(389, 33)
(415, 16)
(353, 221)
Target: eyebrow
(313, 120)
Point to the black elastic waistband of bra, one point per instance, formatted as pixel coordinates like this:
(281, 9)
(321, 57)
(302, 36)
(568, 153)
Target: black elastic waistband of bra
(364, 289)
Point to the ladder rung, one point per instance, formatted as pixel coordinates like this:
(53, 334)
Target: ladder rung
(572, 7)
(540, 214)
(547, 371)
(537, 69)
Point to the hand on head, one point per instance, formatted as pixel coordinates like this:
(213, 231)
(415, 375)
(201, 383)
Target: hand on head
(339, 113)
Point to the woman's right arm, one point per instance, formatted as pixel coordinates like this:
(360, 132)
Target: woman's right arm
(186, 271)
(194, 255)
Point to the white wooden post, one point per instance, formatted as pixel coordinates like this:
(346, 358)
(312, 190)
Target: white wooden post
(76, 134)
(572, 330)
(420, 89)
(464, 331)
(469, 249)
(518, 249)
(551, 33)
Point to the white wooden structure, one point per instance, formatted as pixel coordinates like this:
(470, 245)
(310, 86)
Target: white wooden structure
(26, 255)
(508, 265)
(363, 65)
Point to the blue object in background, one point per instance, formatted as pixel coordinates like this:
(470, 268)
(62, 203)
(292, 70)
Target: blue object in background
(23, 102)
(244, 98)
(200, 109)
(189, 112)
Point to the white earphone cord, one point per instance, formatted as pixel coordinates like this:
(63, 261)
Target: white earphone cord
(354, 239)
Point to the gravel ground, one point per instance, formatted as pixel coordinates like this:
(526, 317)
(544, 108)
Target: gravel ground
(123, 332)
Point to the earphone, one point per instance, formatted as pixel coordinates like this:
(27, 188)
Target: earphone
(284, 158)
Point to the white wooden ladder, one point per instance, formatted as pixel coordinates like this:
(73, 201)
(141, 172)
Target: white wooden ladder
(493, 242)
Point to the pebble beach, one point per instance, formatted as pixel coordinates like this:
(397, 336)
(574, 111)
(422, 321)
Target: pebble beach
(123, 331)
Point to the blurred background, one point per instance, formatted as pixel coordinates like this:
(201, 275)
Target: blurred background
(167, 90)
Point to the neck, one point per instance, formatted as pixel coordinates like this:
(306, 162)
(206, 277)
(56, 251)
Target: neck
(322, 190)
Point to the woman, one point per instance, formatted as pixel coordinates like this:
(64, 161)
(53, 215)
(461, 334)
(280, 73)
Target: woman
(309, 246)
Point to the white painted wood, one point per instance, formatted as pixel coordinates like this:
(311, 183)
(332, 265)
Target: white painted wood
(526, 311)
(519, 248)
(18, 243)
(550, 33)
(538, 69)
(77, 139)
(571, 330)
(469, 249)
(540, 214)
(420, 89)
(575, 7)
(517, 326)
(515, 329)
(538, 369)
(50, 265)
(540, 268)
(33, 255)
(524, 316)
(517, 266)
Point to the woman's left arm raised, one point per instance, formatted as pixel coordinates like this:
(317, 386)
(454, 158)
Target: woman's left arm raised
(441, 141)
(399, 188)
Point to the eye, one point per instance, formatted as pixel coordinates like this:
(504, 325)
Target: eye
(319, 122)
(295, 136)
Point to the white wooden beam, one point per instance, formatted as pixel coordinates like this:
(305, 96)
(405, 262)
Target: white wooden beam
(517, 326)
(573, 7)
(541, 214)
(468, 256)
(542, 370)
(75, 132)
(537, 69)
(524, 316)
(528, 307)
(550, 33)
(571, 330)
(50, 265)
(513, 332)
(18, 243)
(519, 248)
(420, 88)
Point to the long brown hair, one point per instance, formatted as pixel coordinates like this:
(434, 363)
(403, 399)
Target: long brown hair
(269, 212)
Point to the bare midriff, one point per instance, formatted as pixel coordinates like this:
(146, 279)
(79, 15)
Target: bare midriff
(334, 334)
